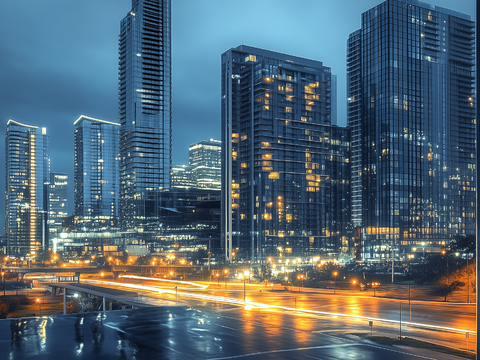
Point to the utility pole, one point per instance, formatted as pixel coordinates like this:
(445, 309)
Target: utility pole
(393, 263)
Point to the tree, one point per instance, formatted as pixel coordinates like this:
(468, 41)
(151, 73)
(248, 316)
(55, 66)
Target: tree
(430, 271)
(445, 289)
(464, 244)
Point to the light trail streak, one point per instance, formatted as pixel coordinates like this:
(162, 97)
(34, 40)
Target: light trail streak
(249, 305)
(164, 280)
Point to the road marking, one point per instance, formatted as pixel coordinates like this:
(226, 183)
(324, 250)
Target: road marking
(226, 327)
(311, 357)
(285, 350)
(400, 352)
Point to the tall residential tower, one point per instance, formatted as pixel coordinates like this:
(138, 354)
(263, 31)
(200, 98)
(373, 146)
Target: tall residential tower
(27, 173)
(145, 114)
(278, 154)
(96, 172)
(412, 116)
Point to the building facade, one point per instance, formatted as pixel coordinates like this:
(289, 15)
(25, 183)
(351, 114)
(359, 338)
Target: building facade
(57, 202)
(145, 112)
(412, 115)
(96, 172)
(205, 159)
(182, 177)
(27, 171)
(277, 156)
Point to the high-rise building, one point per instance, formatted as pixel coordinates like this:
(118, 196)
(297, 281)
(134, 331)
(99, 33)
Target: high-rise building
(96, 178)
(412, 117)
(27, 171)
(279, 151)
(57, 202)
(205, 159)
(182, 177)
(145, 114)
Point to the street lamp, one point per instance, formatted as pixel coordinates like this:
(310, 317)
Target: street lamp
(3, 278)
(468, 281)
(245, 274)
(39, 306)
(225, 275)
(448, 272)
(218, 279)
(354, 282)
(300, 278)
(335, 273)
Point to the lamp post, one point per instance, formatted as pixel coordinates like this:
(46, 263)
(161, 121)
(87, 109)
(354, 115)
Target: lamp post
(335, 273)
(218, 279)
(225, 275)
(3, 278)
(300, 279)
(39, 306)
(354, 282)
(448, 255)
(468, 281)
(245, 274)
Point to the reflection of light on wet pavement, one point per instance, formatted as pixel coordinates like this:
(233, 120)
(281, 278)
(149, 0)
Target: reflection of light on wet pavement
(253, 305)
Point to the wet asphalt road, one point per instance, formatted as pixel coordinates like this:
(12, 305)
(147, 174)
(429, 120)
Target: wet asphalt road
(181, 333)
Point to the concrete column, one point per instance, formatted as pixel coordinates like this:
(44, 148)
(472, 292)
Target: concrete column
(64, 301)
(104, 303)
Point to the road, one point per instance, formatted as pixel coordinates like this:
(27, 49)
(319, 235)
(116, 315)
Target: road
(318, 305)
(178, 333)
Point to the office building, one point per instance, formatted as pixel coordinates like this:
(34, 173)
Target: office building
(205, 159)
(145, 112)
(412, 117)
(182, 177)
(27, 171)
(57, 202)
(96, 174)
(277, 157)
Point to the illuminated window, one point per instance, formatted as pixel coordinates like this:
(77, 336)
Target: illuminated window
(273, 175)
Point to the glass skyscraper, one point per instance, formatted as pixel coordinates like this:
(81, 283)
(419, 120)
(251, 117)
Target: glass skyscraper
(27, 171)
(57, 202)
(205, 159)
(278, 154)
(145, 112)
(182, 177)
(96, 176)
(412, 117)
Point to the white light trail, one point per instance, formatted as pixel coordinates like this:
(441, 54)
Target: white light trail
(165, 280)
(249, 305)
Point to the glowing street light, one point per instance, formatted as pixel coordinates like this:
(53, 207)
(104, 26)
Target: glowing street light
(448, 255)
(225, 275)
(39, 306)
(354, 282)
(300, 278)
(335, 273)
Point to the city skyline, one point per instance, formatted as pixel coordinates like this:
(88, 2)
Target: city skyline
(93, 55)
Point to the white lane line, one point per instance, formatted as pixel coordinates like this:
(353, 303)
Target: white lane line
(400, 352)
(285, 350)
